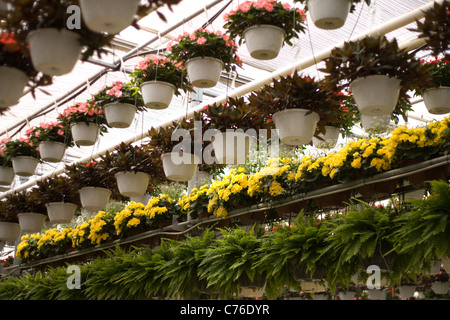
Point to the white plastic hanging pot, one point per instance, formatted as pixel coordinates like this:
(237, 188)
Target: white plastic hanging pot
(157, 94)
(231, 147)
(119, 115)
(264, 42)
(349, 295)
(437, 100)
(376, 95)
(60, 212)
(296, 126)
(179, 166)
(52, 151)
(132, 184)
(376, 294)
(94, 198)
(329, 14)
(446, 264)
(204, 72)
(85, 134)
(440, 287)
(375, 123)
(31, 222)
(9, 231)
(6, 176)
(407, 291)
(24, 166)
(110, 16)
(12, 85)
(142, 199)
(330, 138)
(54, 52)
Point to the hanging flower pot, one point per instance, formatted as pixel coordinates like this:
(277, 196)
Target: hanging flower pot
(231, 147)
(54, 52)
(142, 199)
(9, 231)
(157, 94)
(31, 222)
(6, 176)
(376, 294)
(440, 287)
(25, 166)
(60, 212)
(437, 100)
(85, 134)
(296, 126)
(252, 289)
(348, 295)
(179, 166)
(110, 16)
(204, 72)
(329, 14)
(375, 123)
(132, 184)
(12, 85)
(120, 115)
(330, 138)
(407, 291)
(52, 151)
(376, 95)
(94, 198)
(264, 42)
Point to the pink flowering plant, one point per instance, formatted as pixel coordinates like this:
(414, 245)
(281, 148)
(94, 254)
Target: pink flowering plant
(5, 160)
(52, 131)
(120, 92)
(22, 147)
(204, 43)
(260, 12)
(87, 112)
(159, 68)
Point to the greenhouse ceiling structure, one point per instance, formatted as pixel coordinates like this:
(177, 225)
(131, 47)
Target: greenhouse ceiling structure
(391, 17)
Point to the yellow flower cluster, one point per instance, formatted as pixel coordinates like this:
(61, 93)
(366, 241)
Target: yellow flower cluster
(53, 237)
(97, 233)
(79, 234)
(26, 242)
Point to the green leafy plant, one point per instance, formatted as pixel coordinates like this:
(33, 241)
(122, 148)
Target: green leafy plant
(156, 68)
(230, 259)
(270, 12)
(57, 189)
(204, 43)
(434, 28)
(360, 238)
(129, 157)
(90, 174)
(24, 202)
(181, 271)
(297, 91)
(426, 227)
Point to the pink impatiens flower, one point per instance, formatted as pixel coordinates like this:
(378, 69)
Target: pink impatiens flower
(201, 40)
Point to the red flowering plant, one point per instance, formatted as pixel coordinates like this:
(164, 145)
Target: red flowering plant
(9, 261)
(157, 68)
(271, 12)
(52, 131)
(87, 112)
(204, 43)
(120, 92)
(439, 70)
